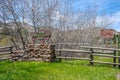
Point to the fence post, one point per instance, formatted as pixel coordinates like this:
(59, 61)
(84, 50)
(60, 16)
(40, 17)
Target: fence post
(11, 49)
(91, 57)
(116, 41)
(60, 47)
(118, 51)
(119, 59)
(114, 58)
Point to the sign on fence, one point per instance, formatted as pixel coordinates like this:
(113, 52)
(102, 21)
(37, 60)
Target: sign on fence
(41, 37)
(107, 33)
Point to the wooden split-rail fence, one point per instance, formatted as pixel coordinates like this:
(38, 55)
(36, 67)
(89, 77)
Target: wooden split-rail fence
(92, 52)
(113, 53)
(5, 52)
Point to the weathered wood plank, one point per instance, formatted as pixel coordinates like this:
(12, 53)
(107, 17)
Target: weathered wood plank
(4, 58)
(77, 58)
(72, 50)
(5, 47)
(4, 53)
(100, 48)
(73, 43)
(103, 55)
(106, 62)
(104, 52)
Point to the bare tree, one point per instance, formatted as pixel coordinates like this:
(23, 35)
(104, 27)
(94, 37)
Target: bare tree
(13, 11)
(66, 24)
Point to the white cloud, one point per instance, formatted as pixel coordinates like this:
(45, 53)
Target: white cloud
(114, 20)
(58, 16)
(116, 17)
(104, 21)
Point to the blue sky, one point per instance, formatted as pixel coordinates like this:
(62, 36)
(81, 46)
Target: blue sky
(105, 8)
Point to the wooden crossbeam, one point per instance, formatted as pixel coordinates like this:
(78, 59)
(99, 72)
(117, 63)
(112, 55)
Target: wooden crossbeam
(4, 58)
(105, 62)
(72, 50)
(103, 55)
(111, 49)
(77, 58)
(5, 47)
(4, 53)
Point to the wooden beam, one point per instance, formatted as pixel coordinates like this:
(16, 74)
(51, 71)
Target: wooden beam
(77, 58)
(4, 53)
(4, 58)
(72, 50)
(106, 62)
(104, 52)
(100, 48)
(73, 43)
(103, 55)
(5, 47)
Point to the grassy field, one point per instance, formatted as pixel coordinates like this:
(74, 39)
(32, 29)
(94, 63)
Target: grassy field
(66, 70)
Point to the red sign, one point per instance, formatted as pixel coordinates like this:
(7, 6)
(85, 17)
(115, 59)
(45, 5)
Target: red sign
(41, 37)
(107, 33)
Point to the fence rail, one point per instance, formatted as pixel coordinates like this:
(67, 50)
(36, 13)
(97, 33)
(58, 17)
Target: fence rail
(5, 52)
(91, 51)
(72, 50)
(99, 48)
(70, 45)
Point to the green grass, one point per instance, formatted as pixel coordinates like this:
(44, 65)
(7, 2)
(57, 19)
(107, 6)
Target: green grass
(66, 70)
